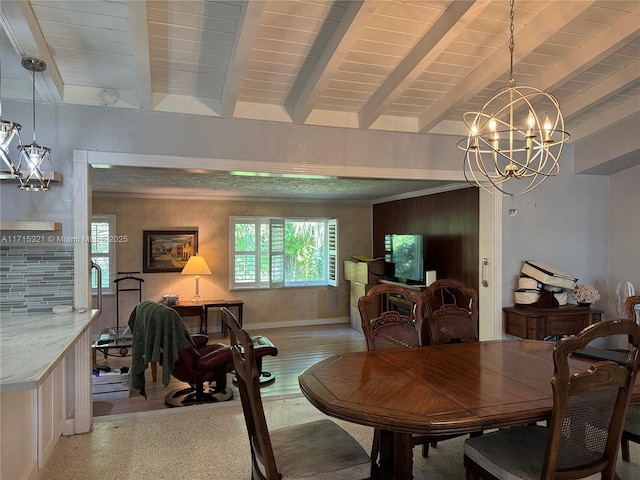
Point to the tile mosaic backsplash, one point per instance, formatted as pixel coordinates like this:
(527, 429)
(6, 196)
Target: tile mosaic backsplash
(34, 278)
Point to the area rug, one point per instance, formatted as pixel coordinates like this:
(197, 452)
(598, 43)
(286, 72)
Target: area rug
(209, 442)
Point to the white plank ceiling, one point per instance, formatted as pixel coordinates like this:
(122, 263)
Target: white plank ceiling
(411, 66)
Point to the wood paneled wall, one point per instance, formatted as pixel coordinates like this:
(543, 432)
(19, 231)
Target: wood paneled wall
(450, 224)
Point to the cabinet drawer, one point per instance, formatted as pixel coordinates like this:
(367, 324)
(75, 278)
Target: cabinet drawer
(540, 323)
(564, 326)
(517, 327)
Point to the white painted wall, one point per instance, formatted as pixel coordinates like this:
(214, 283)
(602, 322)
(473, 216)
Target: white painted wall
(562, 223)
(624, 230)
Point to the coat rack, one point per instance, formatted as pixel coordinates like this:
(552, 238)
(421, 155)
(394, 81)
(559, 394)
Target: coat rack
(128, 283)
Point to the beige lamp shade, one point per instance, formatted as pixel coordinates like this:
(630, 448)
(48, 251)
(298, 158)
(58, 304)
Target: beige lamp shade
(196, 266)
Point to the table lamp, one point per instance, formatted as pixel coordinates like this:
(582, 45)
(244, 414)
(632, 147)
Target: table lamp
(196, 266)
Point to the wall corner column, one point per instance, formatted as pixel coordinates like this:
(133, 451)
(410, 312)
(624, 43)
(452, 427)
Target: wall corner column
(80, 410)
(490, 296)
(81, 230)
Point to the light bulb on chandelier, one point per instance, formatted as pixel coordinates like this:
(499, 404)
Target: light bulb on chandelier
(515, 140)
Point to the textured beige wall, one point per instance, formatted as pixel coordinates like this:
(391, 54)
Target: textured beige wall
(263, 308)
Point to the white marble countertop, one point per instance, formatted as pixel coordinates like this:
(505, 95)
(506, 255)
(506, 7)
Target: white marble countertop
(32, 344)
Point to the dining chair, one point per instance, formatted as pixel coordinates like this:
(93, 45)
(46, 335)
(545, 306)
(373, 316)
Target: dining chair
(632, 307)
(631, 430)
(314, 450)
(391, 318)
(589, 408)
(451, 312)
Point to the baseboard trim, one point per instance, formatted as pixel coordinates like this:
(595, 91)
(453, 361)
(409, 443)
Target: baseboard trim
(249, 326)
(298, 323)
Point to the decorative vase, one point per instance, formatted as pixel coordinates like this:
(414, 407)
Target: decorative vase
(584, 304)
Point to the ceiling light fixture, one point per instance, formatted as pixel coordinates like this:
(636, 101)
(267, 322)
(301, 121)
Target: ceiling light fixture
(8, 130)
(35, 157)
(507, 156)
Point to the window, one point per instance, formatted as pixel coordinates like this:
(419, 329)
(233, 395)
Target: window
(281, 252)
(103, 228)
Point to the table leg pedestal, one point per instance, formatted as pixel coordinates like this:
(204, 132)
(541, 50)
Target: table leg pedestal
(396, 456)
(385, 463)
(403, 456)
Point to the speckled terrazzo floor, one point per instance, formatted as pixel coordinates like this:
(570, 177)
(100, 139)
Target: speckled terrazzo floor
(209, 442)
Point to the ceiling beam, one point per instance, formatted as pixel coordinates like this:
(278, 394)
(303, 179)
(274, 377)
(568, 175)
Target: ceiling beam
(603, 90)
(141, 56)
(352, 22)
(530, 37)
(243, 44)
(448, 27)
(593, 52)
(590, 54)
(606, 119)
(21, 26)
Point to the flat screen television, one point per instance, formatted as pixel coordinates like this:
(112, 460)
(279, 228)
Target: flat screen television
(406, 253)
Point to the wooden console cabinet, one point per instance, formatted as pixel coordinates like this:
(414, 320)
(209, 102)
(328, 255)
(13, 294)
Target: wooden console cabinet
(540, 323)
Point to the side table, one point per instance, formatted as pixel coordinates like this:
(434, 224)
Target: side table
(540, 323)
(201, 309)
(123, 345)
(192, 309)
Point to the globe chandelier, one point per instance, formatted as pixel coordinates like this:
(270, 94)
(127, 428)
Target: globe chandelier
(36, 158)
(516, 138)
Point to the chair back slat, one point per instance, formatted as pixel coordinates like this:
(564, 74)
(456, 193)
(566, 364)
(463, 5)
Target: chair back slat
(248, 378)
(590, 404)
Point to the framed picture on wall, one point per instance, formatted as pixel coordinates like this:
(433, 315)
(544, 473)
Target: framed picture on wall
(168, 250)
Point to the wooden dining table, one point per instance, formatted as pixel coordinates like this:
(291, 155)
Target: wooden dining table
(437, 390)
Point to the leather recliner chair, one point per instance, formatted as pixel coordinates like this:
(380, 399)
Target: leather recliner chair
(161, 337)
(196, 366)
(210, 364)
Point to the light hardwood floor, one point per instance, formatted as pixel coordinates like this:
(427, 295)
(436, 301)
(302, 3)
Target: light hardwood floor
(298, 348)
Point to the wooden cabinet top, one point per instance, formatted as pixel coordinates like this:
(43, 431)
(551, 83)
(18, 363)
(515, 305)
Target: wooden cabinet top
(563, 310)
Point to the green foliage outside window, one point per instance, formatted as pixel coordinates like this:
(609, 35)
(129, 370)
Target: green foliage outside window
(300, 244)
(304, 251)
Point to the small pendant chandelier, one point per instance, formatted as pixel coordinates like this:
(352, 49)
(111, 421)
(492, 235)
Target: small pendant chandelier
(35, 159)
(8, 130)
(509, 156)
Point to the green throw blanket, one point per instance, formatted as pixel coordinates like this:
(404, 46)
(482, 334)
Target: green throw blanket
(158, 336)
